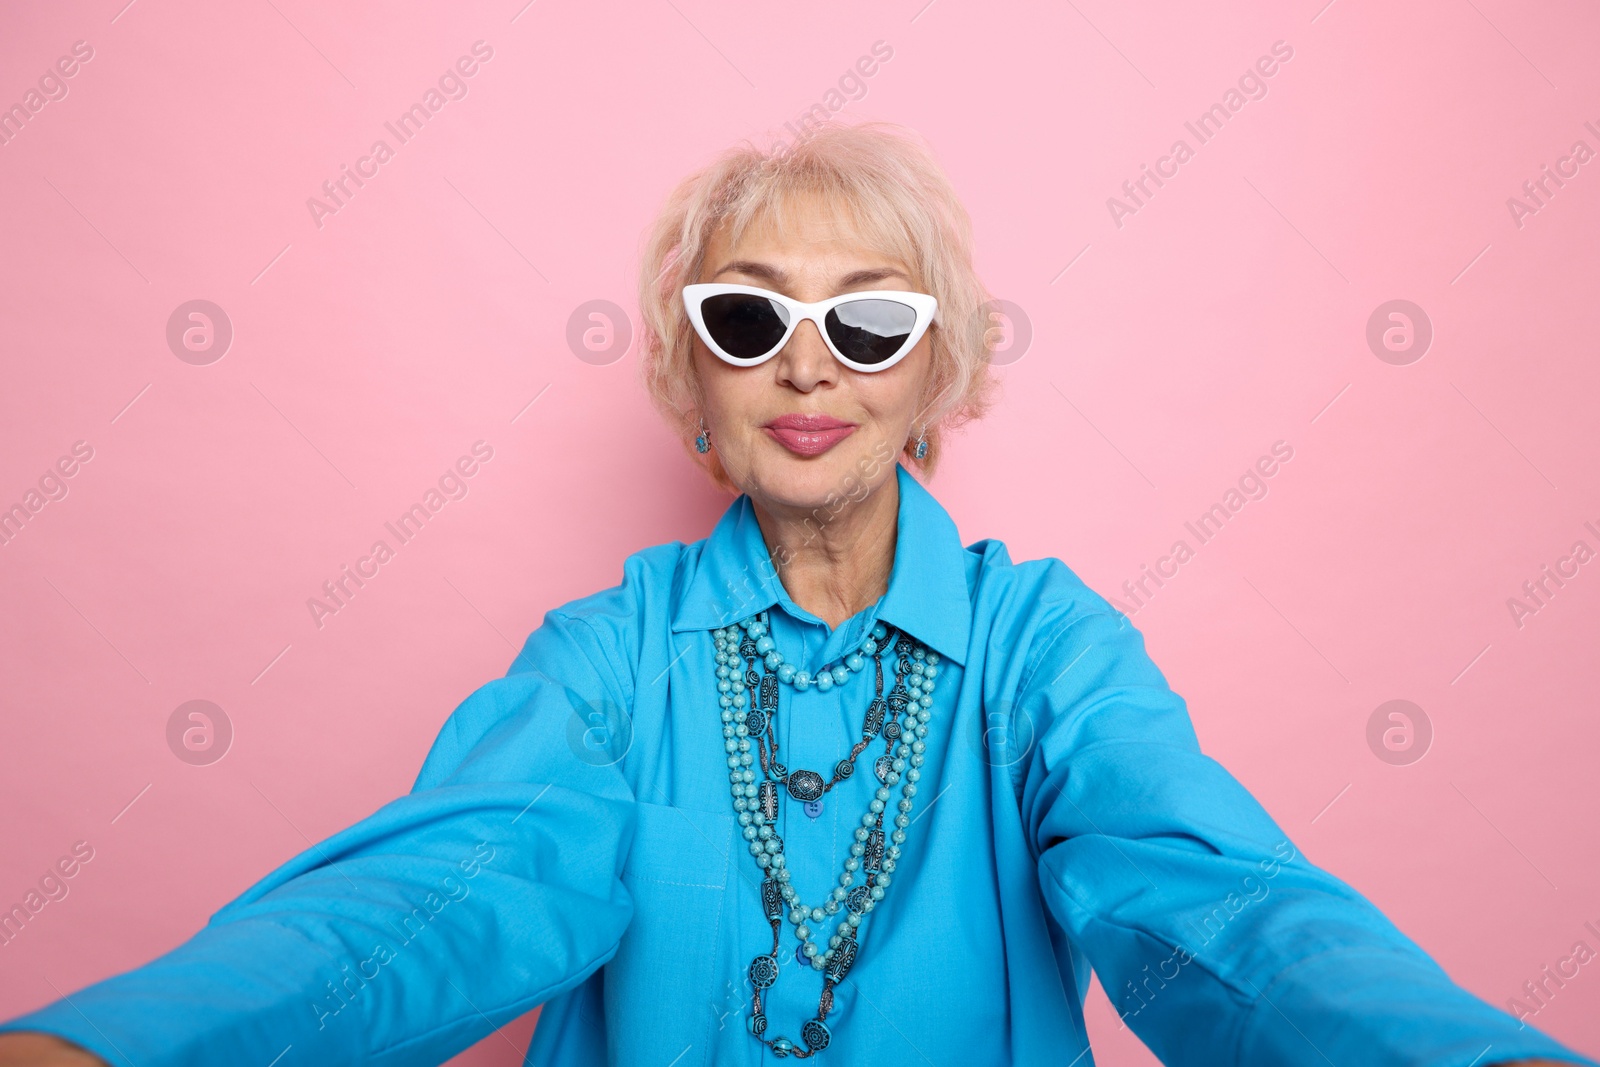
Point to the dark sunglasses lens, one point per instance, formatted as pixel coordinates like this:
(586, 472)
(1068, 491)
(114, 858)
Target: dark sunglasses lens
(871, 331)
(746, 326)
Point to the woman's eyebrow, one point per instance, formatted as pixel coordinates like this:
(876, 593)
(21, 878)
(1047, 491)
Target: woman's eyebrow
(777, 276)
(754, 269)
(872, 274)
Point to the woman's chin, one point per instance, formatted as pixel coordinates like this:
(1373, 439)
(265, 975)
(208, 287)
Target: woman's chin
(782, 479)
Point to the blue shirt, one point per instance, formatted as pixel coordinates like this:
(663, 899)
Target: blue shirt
(571, 841)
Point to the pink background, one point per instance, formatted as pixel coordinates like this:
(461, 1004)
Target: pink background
(1168, 353)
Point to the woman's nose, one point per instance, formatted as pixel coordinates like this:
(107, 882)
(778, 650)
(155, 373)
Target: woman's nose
(805, 361)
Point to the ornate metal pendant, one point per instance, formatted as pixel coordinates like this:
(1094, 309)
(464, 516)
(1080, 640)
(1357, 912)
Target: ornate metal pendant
(856, 901)
(839, 966)
(873, 860)
(767, 796)
(874, 721)
(772, 899)
(763, 971)
(816, 1035)
(806, 785)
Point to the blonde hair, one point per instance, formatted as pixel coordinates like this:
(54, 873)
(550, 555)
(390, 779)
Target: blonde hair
(884, 179)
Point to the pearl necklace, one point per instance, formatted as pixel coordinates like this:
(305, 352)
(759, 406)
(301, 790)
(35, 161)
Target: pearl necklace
(749, 703)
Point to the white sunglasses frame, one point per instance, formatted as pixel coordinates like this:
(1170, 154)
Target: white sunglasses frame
(924, 304)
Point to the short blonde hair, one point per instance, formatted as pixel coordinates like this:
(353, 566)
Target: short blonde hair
(884, 179)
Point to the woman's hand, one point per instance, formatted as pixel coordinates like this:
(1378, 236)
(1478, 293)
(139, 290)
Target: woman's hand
(26, 1048)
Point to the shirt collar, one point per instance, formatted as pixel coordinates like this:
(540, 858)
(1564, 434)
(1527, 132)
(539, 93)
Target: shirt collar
(734, 577)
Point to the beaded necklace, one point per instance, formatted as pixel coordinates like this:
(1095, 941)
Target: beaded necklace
(749, 705)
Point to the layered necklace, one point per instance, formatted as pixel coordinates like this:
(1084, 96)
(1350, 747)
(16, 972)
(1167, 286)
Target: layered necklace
(749, 705)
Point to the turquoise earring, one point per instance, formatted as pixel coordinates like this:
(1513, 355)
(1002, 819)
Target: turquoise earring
(921, 448)
(702, 444)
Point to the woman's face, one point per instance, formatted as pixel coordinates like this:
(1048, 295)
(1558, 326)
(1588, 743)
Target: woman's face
(820, 257)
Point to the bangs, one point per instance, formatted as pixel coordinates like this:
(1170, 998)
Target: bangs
(856, 209)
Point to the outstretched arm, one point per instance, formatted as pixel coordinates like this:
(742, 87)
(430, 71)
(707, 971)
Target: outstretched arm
(1216, 939)
(490, 888)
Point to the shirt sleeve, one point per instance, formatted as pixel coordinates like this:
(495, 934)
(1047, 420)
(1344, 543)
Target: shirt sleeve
(490, 888)
(1216, 939)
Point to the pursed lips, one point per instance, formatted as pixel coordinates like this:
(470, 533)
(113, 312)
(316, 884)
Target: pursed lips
(809, 434)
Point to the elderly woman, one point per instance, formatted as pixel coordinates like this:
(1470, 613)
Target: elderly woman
(826, 782)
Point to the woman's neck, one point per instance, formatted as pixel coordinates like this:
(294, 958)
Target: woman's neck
(835, 564)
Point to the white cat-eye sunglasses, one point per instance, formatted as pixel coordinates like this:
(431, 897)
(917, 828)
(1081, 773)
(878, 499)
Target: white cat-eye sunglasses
(867, 331)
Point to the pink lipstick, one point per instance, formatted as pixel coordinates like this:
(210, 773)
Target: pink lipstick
(809, 435)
